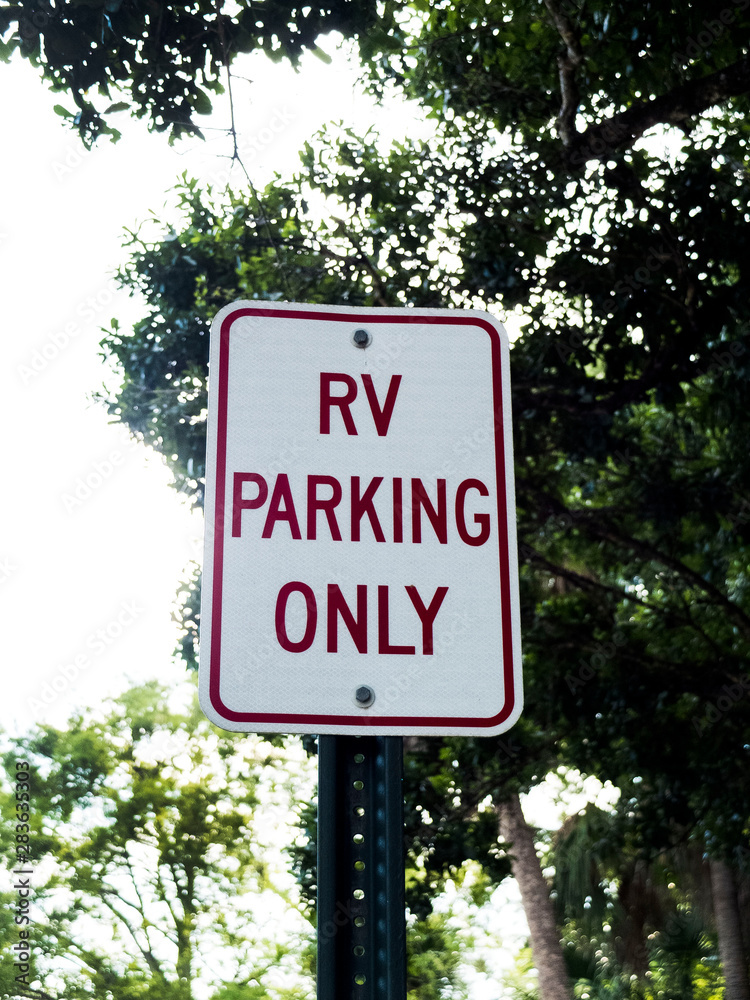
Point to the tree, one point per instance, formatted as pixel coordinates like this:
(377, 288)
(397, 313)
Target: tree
(159, 854)
(629, 918)
(159, 61)
(545, 940)
(729, 924)
(590, 170)
(156, 833)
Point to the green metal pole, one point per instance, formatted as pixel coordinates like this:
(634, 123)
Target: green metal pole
(361, 918)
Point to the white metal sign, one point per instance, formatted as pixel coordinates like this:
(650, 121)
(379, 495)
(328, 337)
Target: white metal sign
(360, 569)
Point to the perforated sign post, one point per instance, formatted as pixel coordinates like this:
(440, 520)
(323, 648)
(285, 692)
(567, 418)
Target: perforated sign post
(360, 574)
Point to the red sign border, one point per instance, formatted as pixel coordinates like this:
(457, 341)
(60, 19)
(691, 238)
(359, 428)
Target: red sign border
(222, 395)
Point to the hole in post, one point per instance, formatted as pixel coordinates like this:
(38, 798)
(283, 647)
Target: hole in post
(359, 785)
(360, 980)
(359, 951)
(358, 838)
(359, 866)
(359, 921)
(359, 894)
(358, 758)
(359, 811)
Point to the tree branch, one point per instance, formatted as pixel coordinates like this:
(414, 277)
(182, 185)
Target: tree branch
(609, 534)
(141, 907)
(161, 892)
(41, 994)
(677, 107)
(586, 582)
(148, 955)
(567, 65)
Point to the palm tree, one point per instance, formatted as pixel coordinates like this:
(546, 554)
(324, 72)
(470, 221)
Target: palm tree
(645, 917)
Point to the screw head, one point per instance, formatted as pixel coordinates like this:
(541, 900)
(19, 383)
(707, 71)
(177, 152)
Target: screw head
(361, 338)
(364, 696)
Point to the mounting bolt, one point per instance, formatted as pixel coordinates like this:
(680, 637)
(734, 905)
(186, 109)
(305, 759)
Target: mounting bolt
(364, 696)
(361, 338)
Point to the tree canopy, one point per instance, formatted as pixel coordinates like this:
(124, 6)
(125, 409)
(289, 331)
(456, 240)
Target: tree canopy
(626, 261)
(158, 852)
(145, 823)
(588, 174)
(158, 61)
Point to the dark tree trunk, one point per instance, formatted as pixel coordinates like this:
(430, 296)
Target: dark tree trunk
(537, 905)
(727, 916)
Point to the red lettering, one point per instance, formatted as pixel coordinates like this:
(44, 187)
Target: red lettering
(438, 518)
(398, 511)
(427, 615)
(483, 520)
(312, 617)
(384, 641)
(281, 491)
(362, 505)
(240, 503)
(314, 504)
(357, 626)
(343, 402)
(382, 417)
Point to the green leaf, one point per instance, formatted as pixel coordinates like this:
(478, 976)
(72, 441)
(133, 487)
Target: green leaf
(7, 49)
(202, 102)
(322, 55)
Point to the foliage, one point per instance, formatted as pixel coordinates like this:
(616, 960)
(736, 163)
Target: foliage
(633, 926)
(434, 951)
(156, 860)
(226, 248)
(158, 61)
(150, 844)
